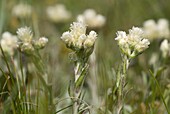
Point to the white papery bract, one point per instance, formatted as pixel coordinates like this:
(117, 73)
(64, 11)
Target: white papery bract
(92, 19)
(133, 43)
(155, 30)
(8, 43)
(77, 39)
(22, 10)
(165, 48)
(58, 13)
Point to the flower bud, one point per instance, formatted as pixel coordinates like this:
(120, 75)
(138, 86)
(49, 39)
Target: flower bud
(27, 48)
(164, 47)
(41, 43)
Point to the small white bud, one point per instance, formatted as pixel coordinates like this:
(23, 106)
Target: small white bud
(41, 43)
(165, 48)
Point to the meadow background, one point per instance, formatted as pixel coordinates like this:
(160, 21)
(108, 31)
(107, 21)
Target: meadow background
(143, 94)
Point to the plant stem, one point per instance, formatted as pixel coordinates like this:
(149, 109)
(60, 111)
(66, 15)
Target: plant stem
(75, 105)
(121, 76)
(76, 90)
(80, 72)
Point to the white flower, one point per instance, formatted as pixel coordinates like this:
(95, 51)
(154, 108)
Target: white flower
(142, 45)
(77, 29)
(8, 43)
(67, 37)
(121, 35)
(165, 48)
(91, 38)
(92, 19)
(150, 29)
(77, 39)
(136, 33)
(154, 58)
(25, 34)
(133, 43)
(58, 13)
(22, 10)
(155, 30)
(41, 42)
(27, 44)
(163, 28)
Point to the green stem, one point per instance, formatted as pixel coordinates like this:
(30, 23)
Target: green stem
(75, 105)
(2, 10)
(63, 109)
(80, 72)
(6, 62)
(76, 90)
(121, 76)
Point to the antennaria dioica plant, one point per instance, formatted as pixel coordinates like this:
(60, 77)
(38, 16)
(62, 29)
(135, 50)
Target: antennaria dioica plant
(22, 96)
(130, 45)
(82, 45)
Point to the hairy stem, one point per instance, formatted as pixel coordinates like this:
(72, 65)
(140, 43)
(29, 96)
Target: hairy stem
(77, 73)
(121, 83)
(80, 72)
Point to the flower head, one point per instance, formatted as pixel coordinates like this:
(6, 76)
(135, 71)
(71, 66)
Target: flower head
(77, 39)
(25, 34)
(89, 42)
(163, 28)
(22, 10)
(8, 43)
(58, 13)
(92, 19)
(133, 43)
(27, 44)
(155, 30)
(41, 43)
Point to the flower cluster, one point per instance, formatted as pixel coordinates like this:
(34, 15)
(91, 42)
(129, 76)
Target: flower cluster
(27, 44)
(165, 48)
(133, 43)
(58, 13)
(8, 43)
(22, 10)
(155, 30)
(92, 19)
(76, 38)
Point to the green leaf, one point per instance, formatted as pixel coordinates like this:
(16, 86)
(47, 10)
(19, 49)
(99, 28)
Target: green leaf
(82, 75)
(70, 89)
(160, 70)
(159, 88)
